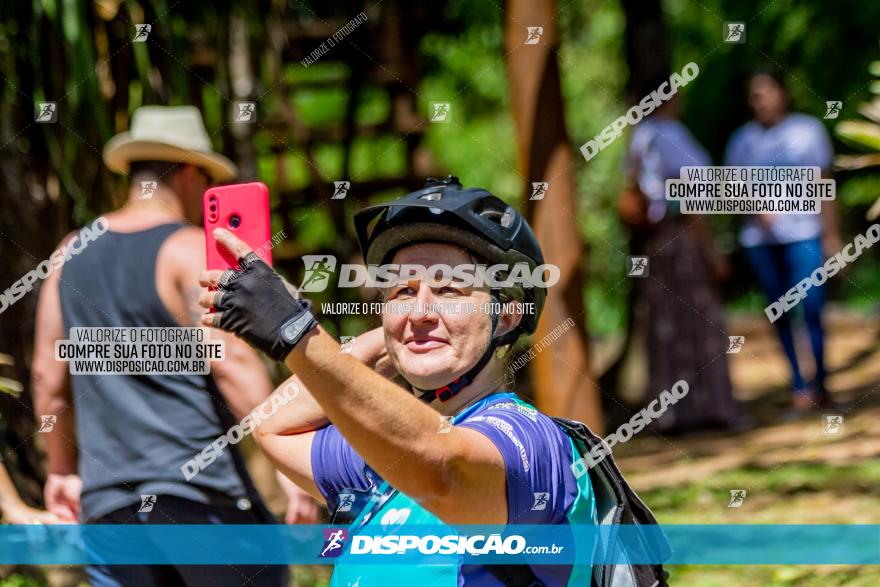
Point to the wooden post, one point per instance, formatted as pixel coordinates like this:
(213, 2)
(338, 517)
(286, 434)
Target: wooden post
(562, 381)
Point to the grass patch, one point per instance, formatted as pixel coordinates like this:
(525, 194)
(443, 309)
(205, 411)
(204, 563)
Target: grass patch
(813, 493)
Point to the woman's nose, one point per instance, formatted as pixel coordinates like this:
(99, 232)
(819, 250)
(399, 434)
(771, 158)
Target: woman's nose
(425, 309)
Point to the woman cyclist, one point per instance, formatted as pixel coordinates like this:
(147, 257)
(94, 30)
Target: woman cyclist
(450, 446)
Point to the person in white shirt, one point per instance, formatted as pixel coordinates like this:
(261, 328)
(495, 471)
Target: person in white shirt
(785, 248)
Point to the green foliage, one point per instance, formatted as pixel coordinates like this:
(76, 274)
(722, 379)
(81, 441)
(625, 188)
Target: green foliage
(860, 134)
(824, 50)
(20, 581)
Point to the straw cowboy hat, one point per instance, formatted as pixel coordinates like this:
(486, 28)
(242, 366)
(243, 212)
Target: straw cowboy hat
(167, 133)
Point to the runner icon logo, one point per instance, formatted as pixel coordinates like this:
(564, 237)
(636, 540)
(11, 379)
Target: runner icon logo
(638, 267)
(147, 503)
(48, 422)
(346, 344)
(445, 425)
(141, 32)
(334, 542)
(541, 500)
(345, 501)
(833, 424)
(735, 32)
(440, 112)
(736, 344)
(46, 112)
(534, 35)
(539, 190)
(247, 112)
(737, 497)
(148, 189)
(340, 190)
(832, 108)
(319, 268)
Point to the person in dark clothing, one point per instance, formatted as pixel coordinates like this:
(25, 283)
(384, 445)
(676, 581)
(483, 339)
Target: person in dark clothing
(679, 305)
(119, 437)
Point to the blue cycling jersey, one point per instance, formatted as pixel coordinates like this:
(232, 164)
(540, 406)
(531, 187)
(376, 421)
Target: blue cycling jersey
(541, 489)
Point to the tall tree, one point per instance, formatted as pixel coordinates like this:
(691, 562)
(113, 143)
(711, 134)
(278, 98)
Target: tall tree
(646, 52)
(562, 382)
(645, 44)
(26, 238)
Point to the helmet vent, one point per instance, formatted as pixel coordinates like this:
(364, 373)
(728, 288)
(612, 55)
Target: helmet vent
(502, 217)
(432, 197)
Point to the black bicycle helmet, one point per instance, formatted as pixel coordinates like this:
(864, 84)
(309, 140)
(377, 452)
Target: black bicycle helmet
(473, 218)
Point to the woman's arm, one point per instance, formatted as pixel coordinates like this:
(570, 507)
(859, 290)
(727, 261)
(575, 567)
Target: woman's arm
(305, 414)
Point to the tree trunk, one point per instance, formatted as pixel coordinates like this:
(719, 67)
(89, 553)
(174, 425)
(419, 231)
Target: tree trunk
(563, 384)
(27, 230)
(647, 58)
(646, 50)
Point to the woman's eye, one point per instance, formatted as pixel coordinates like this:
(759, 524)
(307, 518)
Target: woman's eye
(447, 290)
(404, 292)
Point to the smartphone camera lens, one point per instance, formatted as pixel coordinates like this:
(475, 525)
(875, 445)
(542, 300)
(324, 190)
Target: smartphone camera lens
(234, 221)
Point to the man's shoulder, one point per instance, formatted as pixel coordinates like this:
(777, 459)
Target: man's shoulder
(184, 248)
(185, 238)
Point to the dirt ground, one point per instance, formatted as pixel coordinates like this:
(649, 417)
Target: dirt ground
(760, 376)
(793, 472)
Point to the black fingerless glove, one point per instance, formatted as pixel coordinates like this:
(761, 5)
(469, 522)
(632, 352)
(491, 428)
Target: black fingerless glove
(256, 304)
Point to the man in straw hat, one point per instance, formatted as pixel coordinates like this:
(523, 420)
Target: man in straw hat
(121, 459)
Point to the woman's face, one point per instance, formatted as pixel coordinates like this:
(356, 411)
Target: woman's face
(429, 346)
(768, 99)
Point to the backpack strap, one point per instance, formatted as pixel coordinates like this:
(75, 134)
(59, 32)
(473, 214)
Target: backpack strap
(617, 503)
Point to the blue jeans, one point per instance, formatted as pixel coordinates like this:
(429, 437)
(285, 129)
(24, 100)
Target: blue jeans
(778, 268)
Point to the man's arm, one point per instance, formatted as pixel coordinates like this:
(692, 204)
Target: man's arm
(52, 396)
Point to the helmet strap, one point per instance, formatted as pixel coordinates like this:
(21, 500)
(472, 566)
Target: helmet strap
(450, 390)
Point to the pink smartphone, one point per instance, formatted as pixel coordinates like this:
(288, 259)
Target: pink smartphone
(243, 209)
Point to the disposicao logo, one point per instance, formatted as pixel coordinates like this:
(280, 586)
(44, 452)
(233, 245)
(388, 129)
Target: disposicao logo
(334, 542)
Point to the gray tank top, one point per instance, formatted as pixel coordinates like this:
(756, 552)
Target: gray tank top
(135, 432)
